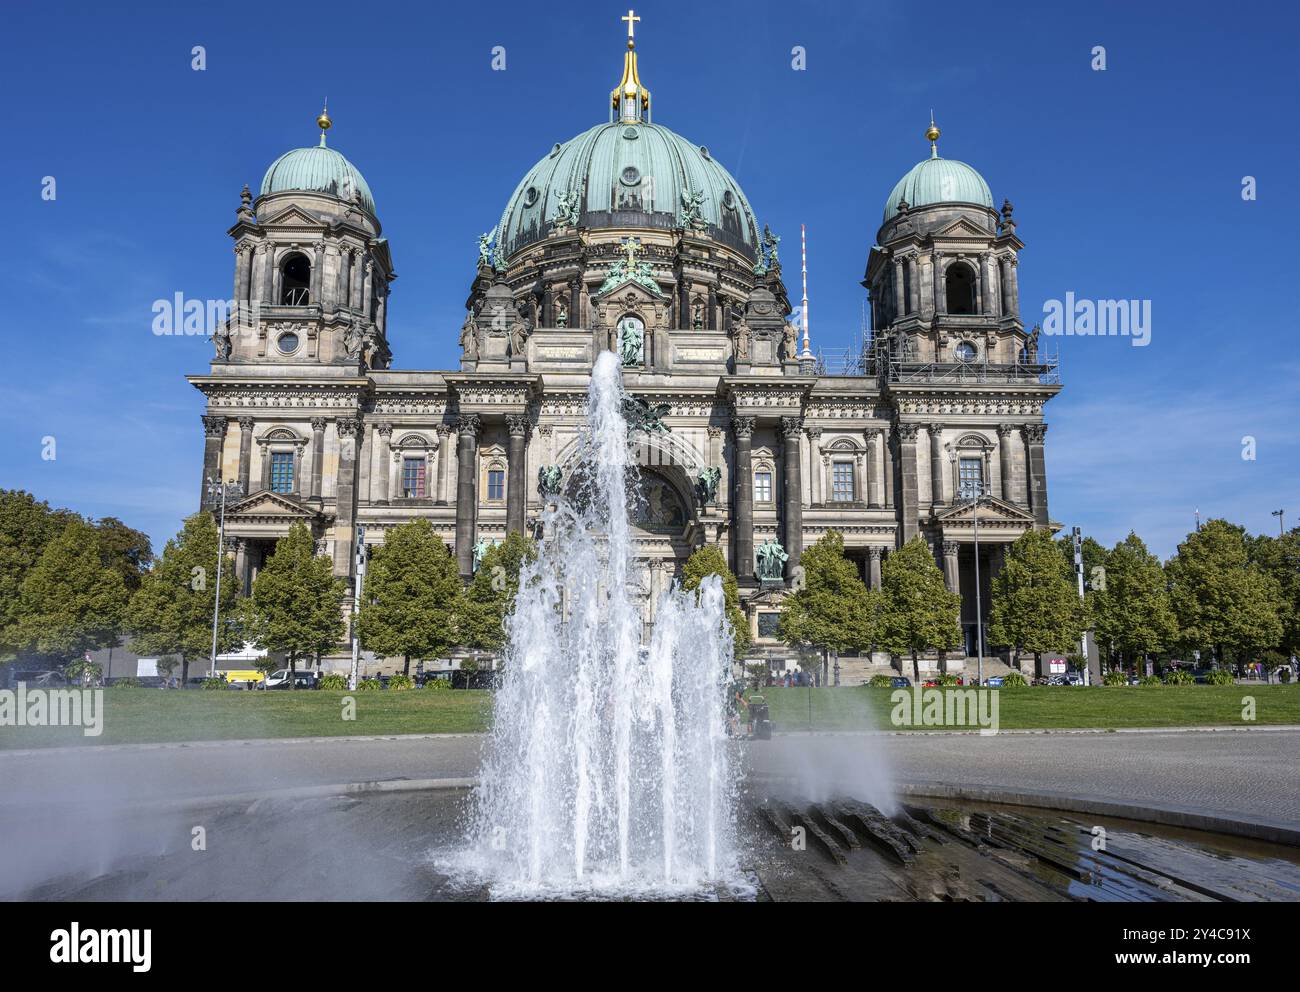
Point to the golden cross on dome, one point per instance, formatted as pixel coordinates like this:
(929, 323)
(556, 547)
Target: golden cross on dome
(632, 244)
(631, 19)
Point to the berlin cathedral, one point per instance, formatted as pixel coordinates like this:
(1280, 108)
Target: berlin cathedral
(631, 238)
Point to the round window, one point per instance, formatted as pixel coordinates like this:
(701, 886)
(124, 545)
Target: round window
(530, 196)
(966, 352)
(631, 176)
(287, 343)
(631, 133)
(728, 200)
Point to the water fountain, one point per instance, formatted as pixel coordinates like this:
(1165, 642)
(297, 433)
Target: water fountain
(607, 771)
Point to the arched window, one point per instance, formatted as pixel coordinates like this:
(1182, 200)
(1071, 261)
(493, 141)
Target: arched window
(959, 286)
(295, 281)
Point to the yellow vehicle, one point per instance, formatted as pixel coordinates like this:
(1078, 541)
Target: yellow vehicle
(248, 677)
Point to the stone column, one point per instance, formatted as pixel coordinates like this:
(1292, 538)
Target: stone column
(936, 464)
(367, 285)
(743, 524)
(872, 483)
(818, 480)
(950, 566)
(467, 427)
(1004, 269)
(241, 566)
(384, 482)
(1013, 290)
(887, 460)
(245, 451)
(244, 274)
(1006, 461)
(899, 303)
(873, 557)
(927, 286)
(1035, 435)
(344, 290)
(940, 296)
(214, 439)
(317, 271)
(349, 431)
(913, 285)
(907, 466)
(988, 306)
(354, 281)
(265, 254)
(444, 453)
(791, 429)
(516, 487)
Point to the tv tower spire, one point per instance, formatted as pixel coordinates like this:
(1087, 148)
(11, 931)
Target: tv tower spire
(807, 363)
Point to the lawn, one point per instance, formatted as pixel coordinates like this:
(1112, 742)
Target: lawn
(133, 716)
(1052, 707)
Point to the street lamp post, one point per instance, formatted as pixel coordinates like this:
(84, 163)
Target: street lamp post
(1281, 525)
(217, 491)
(974, 502)
(1078, 574)
(356, 605)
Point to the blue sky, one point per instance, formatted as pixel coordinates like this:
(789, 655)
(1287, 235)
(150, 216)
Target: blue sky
(1126, 184)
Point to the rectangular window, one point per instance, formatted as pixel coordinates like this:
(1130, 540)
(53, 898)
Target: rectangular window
(762, 487)
(496, 484)
(413, 475)
(282, 472)
(842, 482)
(970, 474)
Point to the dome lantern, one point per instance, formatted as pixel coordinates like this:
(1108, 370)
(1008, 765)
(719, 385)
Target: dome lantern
(630, 100)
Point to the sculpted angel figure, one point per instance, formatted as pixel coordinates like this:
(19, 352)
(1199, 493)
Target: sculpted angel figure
(469, 337)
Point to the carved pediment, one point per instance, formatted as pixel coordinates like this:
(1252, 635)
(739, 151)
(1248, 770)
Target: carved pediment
(268, 504)
(292, 216)
(991, 510)
(630, 293)
(961, 228)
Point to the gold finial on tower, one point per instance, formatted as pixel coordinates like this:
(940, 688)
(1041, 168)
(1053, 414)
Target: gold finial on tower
(932, 135)
(323, 121)
(631, 100)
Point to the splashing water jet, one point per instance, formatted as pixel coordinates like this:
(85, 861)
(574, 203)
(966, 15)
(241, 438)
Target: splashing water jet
(607, 771)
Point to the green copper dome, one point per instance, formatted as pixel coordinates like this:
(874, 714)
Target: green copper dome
(938, 180)
(628, 175)
(318, 170)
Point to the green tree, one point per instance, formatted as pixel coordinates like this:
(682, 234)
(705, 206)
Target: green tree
(832, 608)
(918, 612)
(1132, 614)
(27, 525)
(124, 549)
(1222, 601)
(296, 606)
(413, 601)
(490, 597)
(709, 560)
(71, 602)
(1279, 557)
(171, 612)
(1036, 606)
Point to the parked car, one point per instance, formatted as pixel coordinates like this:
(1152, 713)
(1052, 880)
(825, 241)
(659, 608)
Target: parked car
(994, 681)
(901, 682)
(280, 678)
(45, 678)
(1073, 678)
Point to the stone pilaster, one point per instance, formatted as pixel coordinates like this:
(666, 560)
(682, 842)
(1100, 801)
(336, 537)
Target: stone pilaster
(214, 438)
(900, 307)
(517, 424)
(791, 429)
(910, 526)
(887, 457)
(317, 269)
(817, 480)
(267, 257)
(343, 291)
(467, 429)
(1006, 461)
(245, 451)
(345, 504)
(936, 464)
(384, 444)
(872, 482)
(1013, 289)
(445, 434)
(743, 523)
(1035, 436)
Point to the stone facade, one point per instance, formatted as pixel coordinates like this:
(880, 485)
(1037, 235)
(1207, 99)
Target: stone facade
(946, 401)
